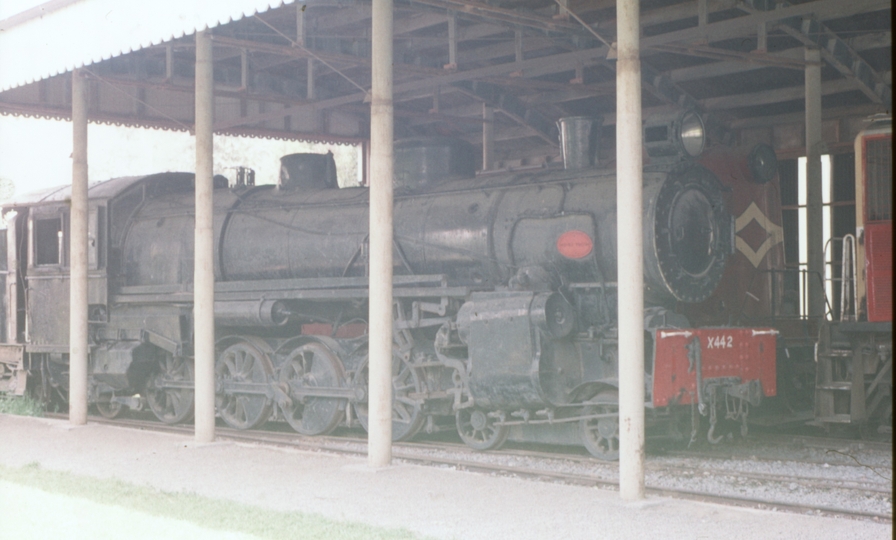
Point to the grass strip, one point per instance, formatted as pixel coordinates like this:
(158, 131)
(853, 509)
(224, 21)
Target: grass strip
(21, 405)
(215, 514)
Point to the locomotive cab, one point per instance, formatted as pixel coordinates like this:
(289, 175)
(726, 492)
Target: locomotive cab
(37, 278)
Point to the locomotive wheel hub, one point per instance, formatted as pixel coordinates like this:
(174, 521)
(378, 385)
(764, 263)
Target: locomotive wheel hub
(608, 427)
(478, 420)
(479, 430)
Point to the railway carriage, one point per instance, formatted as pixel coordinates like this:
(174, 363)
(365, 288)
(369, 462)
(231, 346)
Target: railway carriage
(505, 295)
(854, 356)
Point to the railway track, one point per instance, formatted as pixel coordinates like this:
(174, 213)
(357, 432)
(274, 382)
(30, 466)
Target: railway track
(778, 491)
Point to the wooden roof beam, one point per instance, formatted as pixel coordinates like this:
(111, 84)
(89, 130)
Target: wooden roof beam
(829, 113)
(813, 33)
(725, 29)
(747, 25)
(719, 69)
(775, 96)
(511, 106)
(488, 12)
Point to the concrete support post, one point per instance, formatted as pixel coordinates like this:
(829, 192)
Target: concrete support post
(488, 137)
(244, 69)
(300, 24)
(203, 269)
(814, 219)
(309, 92)
(169, 63)
(78, 347)
(562, 11)
(452, 42)
(436, 98)
(630, 252)
(762, 38)
(702, 12)
(379, 442)
(12, 279)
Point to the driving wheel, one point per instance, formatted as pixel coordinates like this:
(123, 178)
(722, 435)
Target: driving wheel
(242, 374)
(169, 389)
(601, 435)
(407, 405)
(309, 367)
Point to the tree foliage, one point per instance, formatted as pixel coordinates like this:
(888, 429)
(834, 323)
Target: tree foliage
(7, 189)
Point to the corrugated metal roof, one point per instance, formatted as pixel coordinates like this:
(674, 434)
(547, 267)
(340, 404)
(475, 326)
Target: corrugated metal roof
(521, 59)
(62, 35)
(103, 189)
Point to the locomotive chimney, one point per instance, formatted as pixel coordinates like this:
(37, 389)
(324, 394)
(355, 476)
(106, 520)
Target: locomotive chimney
(429, 161)
(579, 141)
(308, 171)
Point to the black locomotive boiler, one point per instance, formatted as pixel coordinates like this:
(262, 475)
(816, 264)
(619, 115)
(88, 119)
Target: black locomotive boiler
(504, 291)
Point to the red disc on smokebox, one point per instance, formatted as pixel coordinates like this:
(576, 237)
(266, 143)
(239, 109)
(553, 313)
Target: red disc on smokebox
(575, 244)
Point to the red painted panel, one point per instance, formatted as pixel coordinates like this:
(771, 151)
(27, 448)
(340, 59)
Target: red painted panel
(879, 270)
(746, 353)
(752, 271)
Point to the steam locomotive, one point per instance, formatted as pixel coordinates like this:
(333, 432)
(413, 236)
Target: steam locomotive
(504, 288)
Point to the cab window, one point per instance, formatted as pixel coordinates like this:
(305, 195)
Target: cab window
(47, 241)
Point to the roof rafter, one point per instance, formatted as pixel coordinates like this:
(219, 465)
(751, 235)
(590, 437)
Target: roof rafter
(725, 29)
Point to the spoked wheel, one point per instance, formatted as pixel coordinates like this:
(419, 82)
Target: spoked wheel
(601, 435)
(108, 408)
(309, 367)
(477, 429)
(407, 408)
(242, 373)
(169, 389)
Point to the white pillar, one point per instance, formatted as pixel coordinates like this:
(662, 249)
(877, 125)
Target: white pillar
(77, 411)
(379, 443)
(629, 249)
(814, 225)
(203, 270)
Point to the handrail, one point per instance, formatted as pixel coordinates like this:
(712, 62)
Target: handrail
(848, 298)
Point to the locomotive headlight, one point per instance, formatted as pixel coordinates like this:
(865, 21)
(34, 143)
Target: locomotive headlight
(674, 135)
(763, 163)
(692, 134)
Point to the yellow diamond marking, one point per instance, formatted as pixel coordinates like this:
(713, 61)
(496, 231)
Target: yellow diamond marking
(775, 234)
